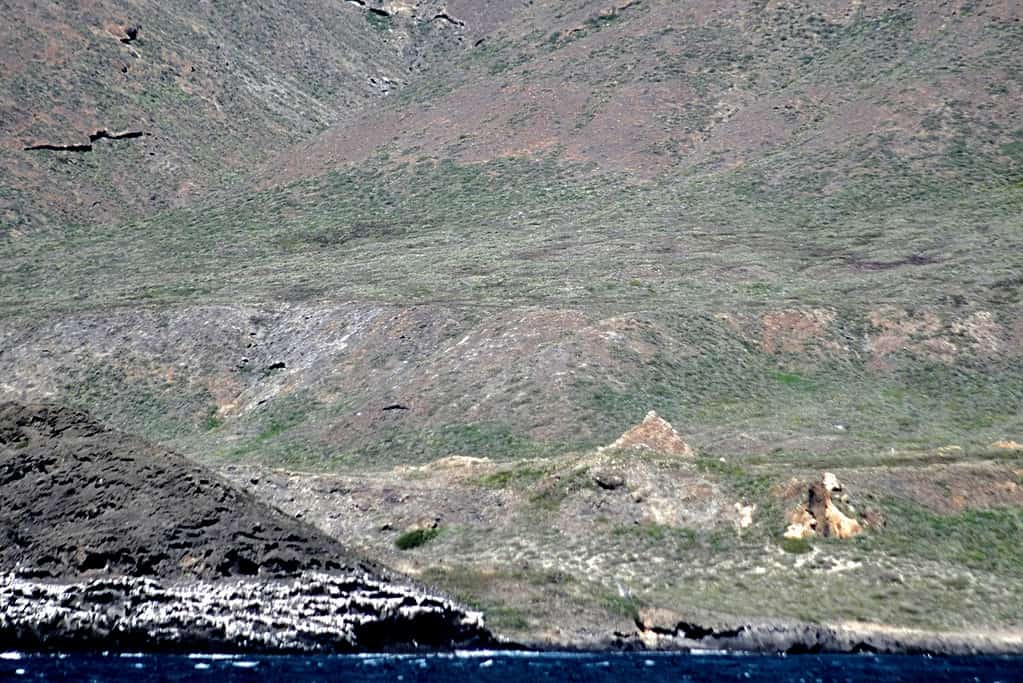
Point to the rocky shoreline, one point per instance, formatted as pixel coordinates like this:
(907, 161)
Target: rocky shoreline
(327, 613)
(311, 613)
(660, 629)
(110, 543)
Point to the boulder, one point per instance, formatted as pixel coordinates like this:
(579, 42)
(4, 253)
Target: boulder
(608, 480)
(831, 482)
(744, 516)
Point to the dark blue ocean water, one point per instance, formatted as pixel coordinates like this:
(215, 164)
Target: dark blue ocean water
(509, 667)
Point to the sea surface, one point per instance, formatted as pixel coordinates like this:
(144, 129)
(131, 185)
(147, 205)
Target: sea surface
(508, 667)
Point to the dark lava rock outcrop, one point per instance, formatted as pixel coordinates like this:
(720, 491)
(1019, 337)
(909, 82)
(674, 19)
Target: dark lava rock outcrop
(308, 613)
(667, 630)
(79, 498)
(110, 541)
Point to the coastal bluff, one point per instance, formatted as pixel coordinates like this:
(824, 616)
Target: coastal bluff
(107, 541)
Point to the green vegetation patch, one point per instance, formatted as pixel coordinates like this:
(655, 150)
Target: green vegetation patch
(518, 477)
(792, 380)
(627, 606)
(552, 493)
(415, 538)
(796, 546)
(136, 396)
(978, 540)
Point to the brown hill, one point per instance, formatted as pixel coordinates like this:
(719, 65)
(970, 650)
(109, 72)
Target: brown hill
(657, 86)
(366, 235)
(81, 499)
(212, 88)
(833, 91)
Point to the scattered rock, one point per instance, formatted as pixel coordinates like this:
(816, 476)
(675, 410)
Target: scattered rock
(653, 434)
(443, 16)
(426, 523)
(801, 524)
(131, 34)
(744, 516)
(608, 481)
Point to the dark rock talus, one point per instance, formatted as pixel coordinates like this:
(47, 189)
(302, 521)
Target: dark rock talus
(109, 541)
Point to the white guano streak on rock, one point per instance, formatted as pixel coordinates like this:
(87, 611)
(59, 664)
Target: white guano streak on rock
(294, 614)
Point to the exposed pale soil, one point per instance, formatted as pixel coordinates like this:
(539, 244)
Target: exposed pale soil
(551, 547)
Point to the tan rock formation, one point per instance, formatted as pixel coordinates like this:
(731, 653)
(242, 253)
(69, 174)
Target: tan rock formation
(830, 521)
(820, 516)
(658, 618)
(831, 482)
(801, 524)
(838, 525)
(1007, 445)
(653, 434)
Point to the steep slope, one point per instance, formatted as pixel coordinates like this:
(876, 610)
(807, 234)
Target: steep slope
(210, 88)
(80, 499)
(792, 229)
(142, 549)
(370, 386)
(832, 266)
(655, 86)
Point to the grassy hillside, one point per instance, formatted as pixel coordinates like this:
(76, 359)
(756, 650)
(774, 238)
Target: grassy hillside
(794, 229)
(699, 299)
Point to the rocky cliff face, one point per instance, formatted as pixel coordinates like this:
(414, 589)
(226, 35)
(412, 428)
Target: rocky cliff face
(110, 542)
(311, 613)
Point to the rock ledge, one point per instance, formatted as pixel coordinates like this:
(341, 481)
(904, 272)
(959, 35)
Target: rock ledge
(309, 613)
